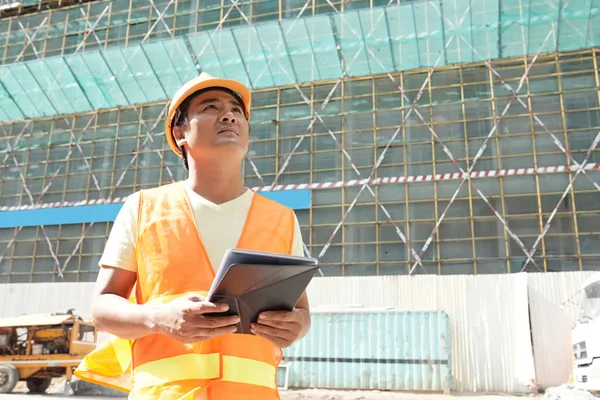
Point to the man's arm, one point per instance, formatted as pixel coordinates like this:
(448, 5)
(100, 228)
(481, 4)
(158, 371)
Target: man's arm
(181, 319)
(304, 309)
(112, 312)
(303, 306)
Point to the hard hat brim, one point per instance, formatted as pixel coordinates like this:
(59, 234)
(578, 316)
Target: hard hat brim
(203, 82)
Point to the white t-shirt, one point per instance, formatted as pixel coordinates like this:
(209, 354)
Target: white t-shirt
(220, 226)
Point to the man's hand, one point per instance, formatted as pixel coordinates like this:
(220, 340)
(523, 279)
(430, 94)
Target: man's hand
(282, 328)
(183, 319)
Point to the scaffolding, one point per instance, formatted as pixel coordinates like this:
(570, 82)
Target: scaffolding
(293, 51)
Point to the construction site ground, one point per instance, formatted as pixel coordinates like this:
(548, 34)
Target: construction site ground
(57, 392)
(564, 392)
(302, 395)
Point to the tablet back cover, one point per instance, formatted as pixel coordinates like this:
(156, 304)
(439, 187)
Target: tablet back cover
(251, 289)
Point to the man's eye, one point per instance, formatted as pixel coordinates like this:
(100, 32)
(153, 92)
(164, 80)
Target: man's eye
(237, 109)
(210, 106)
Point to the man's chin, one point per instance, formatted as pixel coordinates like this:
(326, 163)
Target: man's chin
(225, 148)
(228, 143)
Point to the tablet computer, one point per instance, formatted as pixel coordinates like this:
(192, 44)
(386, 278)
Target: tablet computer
(251, 282)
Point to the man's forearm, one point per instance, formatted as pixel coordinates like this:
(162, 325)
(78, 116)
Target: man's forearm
(122, 318)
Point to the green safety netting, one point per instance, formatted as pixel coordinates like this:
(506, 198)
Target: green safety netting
(274, 53)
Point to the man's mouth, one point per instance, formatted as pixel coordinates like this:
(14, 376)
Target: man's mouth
(227, 130)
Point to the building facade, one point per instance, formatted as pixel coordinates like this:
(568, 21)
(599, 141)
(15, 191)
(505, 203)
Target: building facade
(410, 137)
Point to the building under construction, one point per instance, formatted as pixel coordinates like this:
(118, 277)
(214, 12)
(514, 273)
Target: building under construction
(386, 125)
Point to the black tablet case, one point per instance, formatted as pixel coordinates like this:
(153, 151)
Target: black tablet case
(252, 282)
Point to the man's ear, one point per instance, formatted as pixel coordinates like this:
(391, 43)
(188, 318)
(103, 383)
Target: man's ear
(179, 135)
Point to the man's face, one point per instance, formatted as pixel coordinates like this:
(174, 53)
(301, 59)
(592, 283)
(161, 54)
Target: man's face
(216, 126)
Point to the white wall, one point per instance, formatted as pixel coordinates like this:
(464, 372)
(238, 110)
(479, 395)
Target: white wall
(481, 311)
(33, 298)
(492, 348)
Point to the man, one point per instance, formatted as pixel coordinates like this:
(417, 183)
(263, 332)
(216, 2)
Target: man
(163, 250)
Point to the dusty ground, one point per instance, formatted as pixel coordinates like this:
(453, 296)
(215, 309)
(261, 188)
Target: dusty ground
(57, 392)
(319, 394)
(92, 393)
(308, 394)
(297, 395)
(559, 393)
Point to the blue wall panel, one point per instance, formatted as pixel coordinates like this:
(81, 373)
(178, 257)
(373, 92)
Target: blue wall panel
(295, 199)
(60, 215)
(387, 350)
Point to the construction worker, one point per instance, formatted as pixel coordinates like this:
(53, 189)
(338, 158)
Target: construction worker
(160, 260)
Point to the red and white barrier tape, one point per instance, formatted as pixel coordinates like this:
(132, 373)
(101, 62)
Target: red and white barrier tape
(427, 178)
(330, 185)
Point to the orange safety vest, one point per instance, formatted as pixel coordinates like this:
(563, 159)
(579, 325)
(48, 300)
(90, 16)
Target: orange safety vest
(172, 262)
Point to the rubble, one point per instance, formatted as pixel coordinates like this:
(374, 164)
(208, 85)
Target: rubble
(567, 392)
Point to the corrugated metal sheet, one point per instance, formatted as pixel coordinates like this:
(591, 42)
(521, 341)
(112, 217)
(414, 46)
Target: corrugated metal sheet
(45, 298)
(481, 311)
(551, 323)
(489, 333)
(386, 350)
(523, 351)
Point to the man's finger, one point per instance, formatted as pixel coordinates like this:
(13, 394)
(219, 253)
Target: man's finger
(285, 316)
(279, 342)
(204, 334)
(207, 307)
(210, 322)
(217, 322)
(270, 331)
(195, 297)
(197, 323)
(213, 332)
(286, 326)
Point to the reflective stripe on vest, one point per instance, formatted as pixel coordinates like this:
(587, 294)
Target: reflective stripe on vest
(115, 358)
(205, 367)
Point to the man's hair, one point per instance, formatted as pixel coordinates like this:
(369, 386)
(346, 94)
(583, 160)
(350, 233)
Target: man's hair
(181, 118)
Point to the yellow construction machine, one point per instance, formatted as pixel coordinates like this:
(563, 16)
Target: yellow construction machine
(37, 348)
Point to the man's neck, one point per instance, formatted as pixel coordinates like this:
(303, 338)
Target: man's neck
(216, 182)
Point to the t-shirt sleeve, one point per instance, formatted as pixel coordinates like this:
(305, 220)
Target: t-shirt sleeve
(119, 251)
(298, 245)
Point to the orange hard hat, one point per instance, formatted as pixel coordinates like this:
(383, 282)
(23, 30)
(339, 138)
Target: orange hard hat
(204, 81)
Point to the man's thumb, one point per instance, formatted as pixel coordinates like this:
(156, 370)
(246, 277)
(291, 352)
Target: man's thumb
(195, 298)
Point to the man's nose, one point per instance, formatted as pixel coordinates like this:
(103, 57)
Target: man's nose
(228, 117)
